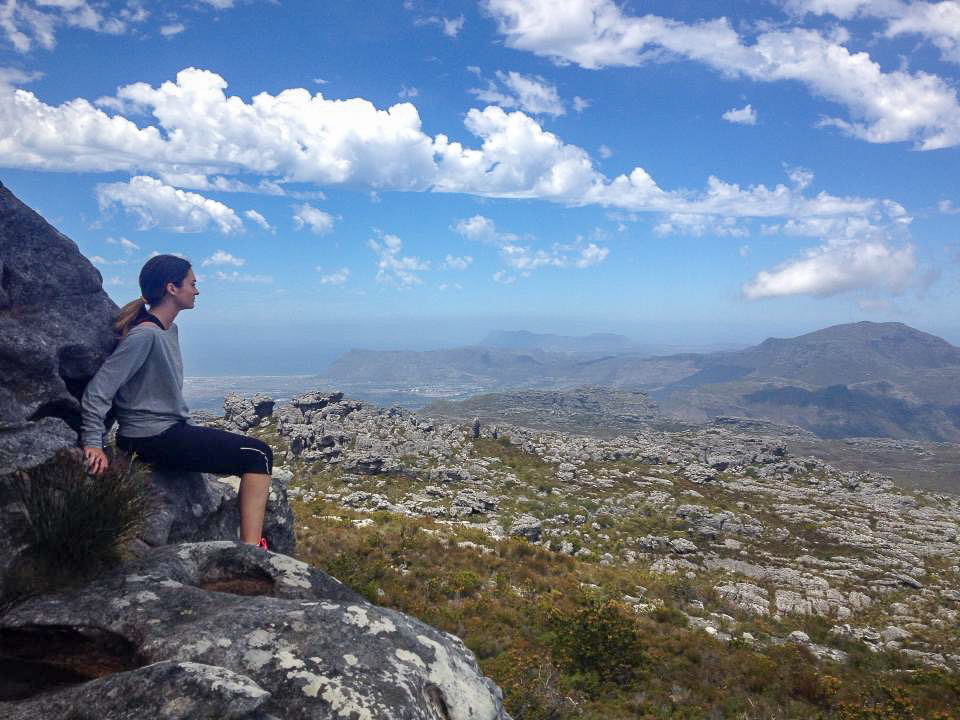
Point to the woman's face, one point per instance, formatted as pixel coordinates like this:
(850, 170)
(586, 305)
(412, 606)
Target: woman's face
(186, 294)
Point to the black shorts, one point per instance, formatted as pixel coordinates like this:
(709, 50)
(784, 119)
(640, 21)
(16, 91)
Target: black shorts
(190, 448)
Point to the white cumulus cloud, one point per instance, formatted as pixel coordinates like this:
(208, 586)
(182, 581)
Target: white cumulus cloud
(258, 219)
(239, 277)
(26, 23)
(221, 257)
(882, 106)
(742, 116)
(172, 29)
(202, 136)
(155, 204)
(452, 26)
(938, 22)
(590, 255)
(127, 245)
(394, 269)
(520, 257)
(698, 225)
(452, 262)
(530, 93)
(97, 260)
(837, 267)
(337, 277)
(319, 222)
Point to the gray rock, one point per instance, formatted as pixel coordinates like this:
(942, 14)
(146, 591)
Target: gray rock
(908, 580)
(475, 501)
(167, 690)
(241, 414)
(892, 633)
(526, 526)
(310, 402)
(192, 507)
(682, 546)
(238, 413)
(747, 596)
(254, 619)
(368, 463)
(55, 331)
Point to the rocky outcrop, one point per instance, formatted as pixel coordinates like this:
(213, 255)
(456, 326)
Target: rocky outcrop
(54, 333)
(222, 630)
(776, 534)
(192, 507)
(241, 414)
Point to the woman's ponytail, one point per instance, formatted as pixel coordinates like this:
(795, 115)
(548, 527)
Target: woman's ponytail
(157, 273)
(128, 315)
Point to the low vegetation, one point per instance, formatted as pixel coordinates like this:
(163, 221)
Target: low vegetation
(73, 525)
(555, 633)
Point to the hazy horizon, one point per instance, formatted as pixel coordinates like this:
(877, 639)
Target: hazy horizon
(225, 351)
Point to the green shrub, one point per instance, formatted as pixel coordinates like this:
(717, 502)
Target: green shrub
(75, 525)
(466, 582)
(600, 638)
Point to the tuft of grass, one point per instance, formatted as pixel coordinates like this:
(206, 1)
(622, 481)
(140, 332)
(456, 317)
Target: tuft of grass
(74, 525)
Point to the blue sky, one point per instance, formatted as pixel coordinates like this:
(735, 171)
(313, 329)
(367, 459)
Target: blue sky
(416, 174)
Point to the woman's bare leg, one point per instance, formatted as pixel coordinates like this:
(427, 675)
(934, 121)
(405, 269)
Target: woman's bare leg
(254, 488)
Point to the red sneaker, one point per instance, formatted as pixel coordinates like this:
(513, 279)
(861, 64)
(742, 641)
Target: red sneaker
(263, 543)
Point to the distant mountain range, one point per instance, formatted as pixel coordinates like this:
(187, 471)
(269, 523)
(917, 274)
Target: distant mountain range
(859, 379)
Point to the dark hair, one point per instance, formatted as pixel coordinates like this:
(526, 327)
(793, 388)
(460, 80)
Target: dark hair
(157, 272)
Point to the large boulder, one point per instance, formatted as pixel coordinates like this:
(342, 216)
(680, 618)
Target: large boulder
(54, 333)
(220, 629)
(192, 507)
(241, 414)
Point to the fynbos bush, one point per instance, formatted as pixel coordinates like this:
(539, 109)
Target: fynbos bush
(600, 639)
(75, 525)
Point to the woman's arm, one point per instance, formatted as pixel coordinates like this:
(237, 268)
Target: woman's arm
(122, 365)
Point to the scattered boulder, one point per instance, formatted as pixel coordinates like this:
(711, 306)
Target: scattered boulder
(746, 596)
(526, 526)
(472, 502)
(682, 546)
(241, 414)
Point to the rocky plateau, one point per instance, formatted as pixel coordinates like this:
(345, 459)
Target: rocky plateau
(778, 535)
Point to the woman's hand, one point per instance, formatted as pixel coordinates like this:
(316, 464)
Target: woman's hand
(95, 459)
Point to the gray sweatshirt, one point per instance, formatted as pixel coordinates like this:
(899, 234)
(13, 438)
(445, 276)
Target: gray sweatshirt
(144, 379)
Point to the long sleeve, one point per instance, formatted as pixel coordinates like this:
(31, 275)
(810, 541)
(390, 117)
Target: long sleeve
(123, 364)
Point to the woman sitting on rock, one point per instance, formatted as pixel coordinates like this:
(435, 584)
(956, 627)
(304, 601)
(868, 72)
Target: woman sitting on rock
(143, 379)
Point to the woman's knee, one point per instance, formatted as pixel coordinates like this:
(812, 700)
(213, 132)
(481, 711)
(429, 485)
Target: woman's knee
(257, 457)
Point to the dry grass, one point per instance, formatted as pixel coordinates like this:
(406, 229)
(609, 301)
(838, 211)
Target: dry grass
(552, 631)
